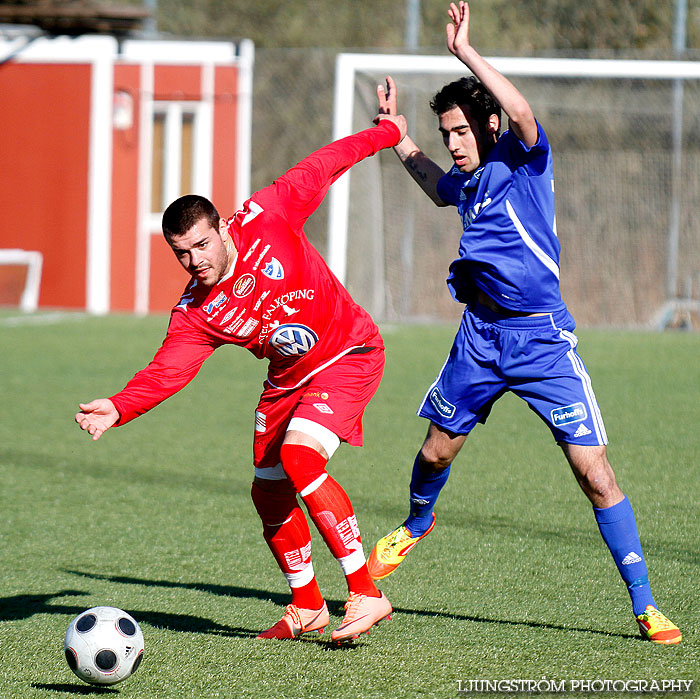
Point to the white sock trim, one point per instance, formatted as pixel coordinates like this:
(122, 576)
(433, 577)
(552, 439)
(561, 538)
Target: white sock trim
(313, 485)
(303, 577)
(351, 563)
(329, 440)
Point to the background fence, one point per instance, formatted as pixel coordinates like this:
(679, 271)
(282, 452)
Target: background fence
(613, 143)
(615, 173)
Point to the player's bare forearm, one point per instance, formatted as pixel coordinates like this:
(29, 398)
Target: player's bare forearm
(520, 116)
(421, 168)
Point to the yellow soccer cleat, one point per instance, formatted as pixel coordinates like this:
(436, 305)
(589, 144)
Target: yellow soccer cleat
(654, 626)
(391, 550)
(297, 621)
(362, 612)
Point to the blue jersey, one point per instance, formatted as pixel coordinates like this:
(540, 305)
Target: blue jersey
(509, 248)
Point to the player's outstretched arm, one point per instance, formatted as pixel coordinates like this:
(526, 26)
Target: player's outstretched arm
(97, 416)
(423, 170)
(520, 116)
(298, 193)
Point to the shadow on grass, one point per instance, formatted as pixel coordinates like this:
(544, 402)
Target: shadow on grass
(25, 606)
(222, 590)
(75, 688)
(334, 605)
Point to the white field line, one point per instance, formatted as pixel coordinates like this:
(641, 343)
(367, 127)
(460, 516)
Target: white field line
(42, 319)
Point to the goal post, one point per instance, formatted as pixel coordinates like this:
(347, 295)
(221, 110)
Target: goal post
(609, 121)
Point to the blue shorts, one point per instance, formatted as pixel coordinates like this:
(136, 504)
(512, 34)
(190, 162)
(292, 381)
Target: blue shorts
(534, 357)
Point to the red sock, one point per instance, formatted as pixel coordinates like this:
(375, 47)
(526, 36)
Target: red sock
(307, 596)
(287, 534)
(331, 511)
(361, 582)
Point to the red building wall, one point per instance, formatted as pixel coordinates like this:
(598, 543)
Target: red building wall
(53, 193)
(44, 146)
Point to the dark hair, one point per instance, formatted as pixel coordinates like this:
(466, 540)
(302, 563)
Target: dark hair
(185, 212)
(467, 92)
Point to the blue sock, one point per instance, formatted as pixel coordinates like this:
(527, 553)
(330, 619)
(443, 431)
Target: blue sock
(619, 530)
(425, 489)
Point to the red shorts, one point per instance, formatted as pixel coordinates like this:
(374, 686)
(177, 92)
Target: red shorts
(335, 398)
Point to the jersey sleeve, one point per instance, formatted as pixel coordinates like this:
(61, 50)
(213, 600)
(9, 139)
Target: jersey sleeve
(174, 365)
(299, 192)
(520, 153)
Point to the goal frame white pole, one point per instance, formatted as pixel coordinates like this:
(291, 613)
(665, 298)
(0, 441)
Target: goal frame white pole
(348, 64)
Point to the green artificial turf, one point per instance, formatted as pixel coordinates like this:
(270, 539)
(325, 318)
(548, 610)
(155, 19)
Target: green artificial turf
(514, 583)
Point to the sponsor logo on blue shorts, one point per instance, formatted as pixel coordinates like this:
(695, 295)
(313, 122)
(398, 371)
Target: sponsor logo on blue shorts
(445, 408)
(568, 414)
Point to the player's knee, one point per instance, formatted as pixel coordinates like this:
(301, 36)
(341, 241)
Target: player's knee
(273, 500)
(600, 481)
(439, 449)
(594, 473)
(302, 465)
(431, 460)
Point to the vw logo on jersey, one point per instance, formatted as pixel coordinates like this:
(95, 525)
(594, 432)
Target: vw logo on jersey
(293, 340)
(273, 269)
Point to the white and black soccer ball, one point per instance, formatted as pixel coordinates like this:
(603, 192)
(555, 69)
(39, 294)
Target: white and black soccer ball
(104, 645)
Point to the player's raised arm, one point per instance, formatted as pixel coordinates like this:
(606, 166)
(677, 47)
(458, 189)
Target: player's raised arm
(520, 116)
(423, 170)
(97, 416)
(298, 193)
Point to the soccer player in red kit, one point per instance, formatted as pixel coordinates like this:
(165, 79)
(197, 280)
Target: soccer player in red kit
(258, 283)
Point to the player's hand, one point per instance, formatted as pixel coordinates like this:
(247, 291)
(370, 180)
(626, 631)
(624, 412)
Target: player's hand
(398, 119)
(97, 416)
(386, 98)
(458, 29)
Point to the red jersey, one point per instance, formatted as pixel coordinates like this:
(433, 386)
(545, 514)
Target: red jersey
(279, 300)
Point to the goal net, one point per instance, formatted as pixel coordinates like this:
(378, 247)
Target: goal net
(626, 142)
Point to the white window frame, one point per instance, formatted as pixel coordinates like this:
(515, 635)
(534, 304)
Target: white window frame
(202, 156)
(202, 164)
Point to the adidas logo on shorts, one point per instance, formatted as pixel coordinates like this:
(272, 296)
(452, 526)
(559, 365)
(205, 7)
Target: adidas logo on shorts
(582, 431)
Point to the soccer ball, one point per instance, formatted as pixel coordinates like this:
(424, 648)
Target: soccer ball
(104, 645)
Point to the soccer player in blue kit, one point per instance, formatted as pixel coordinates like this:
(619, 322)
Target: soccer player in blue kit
(516, 332)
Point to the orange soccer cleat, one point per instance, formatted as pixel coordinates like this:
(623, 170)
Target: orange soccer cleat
(297, 621)
(362, 613)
